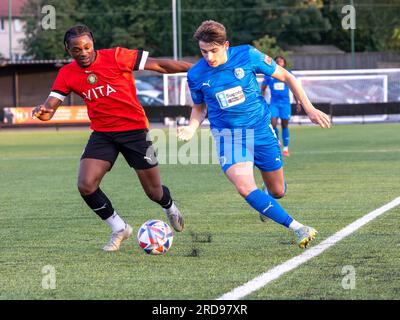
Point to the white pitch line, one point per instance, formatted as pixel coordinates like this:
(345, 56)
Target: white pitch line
(276, 272)
(347, 151)
(216, 159)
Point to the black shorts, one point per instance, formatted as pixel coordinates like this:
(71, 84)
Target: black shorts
(135, 146)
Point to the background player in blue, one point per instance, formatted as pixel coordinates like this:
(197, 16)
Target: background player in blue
(224, 83)
(280, 105)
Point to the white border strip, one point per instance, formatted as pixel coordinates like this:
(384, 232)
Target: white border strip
(145, 55)
(276, 272)
(344, 77)
(57, 95)
(346, 71)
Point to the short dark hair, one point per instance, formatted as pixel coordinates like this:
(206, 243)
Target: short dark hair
(282, 58)
(211, 31)
(77, 31)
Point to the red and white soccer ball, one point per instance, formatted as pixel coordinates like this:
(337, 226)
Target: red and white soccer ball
(155, 237)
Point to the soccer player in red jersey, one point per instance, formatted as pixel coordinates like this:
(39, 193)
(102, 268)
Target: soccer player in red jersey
(104, 80)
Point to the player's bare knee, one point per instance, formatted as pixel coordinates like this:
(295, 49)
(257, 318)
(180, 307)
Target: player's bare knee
(85, 188)
(278, 194)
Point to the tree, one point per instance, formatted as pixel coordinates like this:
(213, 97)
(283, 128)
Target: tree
(395, 40)
(244, 20)
(147, 24)
(268, 45)
(143, 24)
(295, 22)
(376, 22)
(48, 44)
(139, 24)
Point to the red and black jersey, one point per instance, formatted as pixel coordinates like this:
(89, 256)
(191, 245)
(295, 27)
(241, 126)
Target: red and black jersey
(108, 88)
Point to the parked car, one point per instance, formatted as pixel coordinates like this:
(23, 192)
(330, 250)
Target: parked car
(155, 81)
(147, 100)
(147, 89)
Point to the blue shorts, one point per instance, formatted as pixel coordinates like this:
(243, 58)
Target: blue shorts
(282, 111)
(259, 146)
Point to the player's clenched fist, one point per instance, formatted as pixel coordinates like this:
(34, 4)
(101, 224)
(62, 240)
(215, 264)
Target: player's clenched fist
(185, 133)
(42, 112)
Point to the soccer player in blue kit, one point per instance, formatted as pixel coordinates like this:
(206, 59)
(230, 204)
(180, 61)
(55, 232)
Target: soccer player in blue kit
(223, 83)
(280, 105)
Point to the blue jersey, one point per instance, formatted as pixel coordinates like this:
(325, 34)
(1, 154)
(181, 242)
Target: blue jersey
(279, 91)
(231, 90)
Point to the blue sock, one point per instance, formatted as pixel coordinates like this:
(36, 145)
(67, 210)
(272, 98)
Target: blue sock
(285, 137)
(269, 207)
(276, 132)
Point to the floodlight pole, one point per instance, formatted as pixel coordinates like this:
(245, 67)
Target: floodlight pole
(10, 28)
(174, 30)
(179, 29)
(175, 46)
(353, 58)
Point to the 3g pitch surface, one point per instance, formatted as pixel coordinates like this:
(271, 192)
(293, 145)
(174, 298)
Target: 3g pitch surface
(52, 242)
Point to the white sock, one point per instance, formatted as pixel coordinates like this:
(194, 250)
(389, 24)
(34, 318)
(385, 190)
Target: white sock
(285, 148)
(294, 225)
(116, 223)
(171, 208)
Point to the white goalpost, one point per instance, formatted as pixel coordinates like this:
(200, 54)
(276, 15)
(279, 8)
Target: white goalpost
(328, 86)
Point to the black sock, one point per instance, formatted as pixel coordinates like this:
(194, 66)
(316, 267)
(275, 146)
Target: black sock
(166, 200)
(99, 203)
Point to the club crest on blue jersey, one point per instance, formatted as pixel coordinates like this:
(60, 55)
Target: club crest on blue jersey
(233, 95)
(239, 73)
(268, 60)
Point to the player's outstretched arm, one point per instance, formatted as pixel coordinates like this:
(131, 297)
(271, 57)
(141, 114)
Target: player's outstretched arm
(46, 111)
(166, 65)
(315, 115)
(199, 112)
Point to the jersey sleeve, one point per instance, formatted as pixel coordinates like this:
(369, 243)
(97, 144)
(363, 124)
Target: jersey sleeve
(261, 62)
(60, 87)
(130, 60)
(195, 92)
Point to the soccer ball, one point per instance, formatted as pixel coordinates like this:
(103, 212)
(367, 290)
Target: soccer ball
(155, 237)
